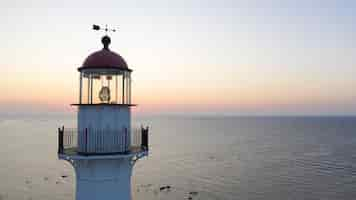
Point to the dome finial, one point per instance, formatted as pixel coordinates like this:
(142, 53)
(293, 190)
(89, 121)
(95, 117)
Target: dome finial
(106, 39)
(106, 42)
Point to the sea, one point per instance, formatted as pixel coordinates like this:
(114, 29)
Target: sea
(198, 157)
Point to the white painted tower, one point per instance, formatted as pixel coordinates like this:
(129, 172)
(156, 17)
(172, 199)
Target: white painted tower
(104, 147)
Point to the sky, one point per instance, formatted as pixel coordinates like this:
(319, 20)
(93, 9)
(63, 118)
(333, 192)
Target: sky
(225, 57)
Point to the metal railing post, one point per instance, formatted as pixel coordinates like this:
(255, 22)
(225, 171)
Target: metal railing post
(144, 138)
(60, 140)
(147, 137)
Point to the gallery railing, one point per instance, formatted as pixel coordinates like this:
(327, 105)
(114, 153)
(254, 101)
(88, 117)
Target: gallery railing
(101, 141)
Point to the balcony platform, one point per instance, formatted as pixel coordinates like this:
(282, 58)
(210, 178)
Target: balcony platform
(72, 154)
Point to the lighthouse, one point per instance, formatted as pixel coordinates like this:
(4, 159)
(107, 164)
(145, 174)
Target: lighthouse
(104, 147)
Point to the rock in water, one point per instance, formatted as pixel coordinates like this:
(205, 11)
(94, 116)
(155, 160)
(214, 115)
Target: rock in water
(165, 187)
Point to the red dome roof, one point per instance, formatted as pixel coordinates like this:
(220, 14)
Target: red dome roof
(104, 58)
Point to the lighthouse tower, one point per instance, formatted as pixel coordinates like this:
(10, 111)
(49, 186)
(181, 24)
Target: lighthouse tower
(103, 148)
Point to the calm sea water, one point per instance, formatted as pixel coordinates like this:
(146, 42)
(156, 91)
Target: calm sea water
(213, 157)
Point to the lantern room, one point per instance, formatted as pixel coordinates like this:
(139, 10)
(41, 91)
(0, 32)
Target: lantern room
(104, 78)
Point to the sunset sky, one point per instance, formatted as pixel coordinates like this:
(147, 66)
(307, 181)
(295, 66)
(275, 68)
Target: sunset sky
(214, 57)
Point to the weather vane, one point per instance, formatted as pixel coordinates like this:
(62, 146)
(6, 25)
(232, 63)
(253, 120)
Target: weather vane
(106, 29)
